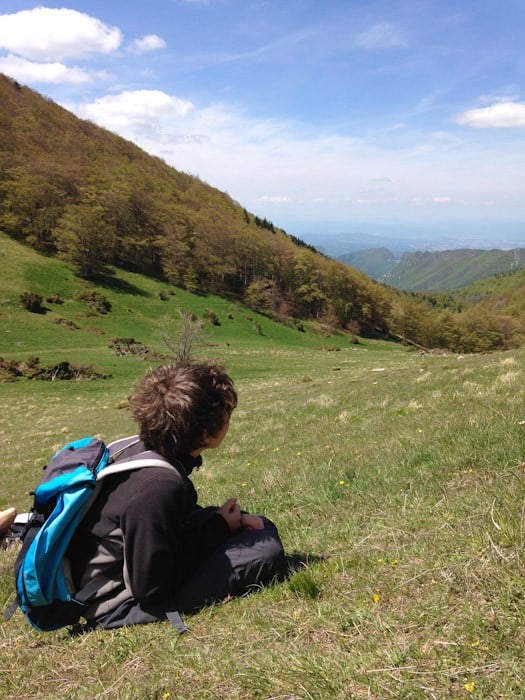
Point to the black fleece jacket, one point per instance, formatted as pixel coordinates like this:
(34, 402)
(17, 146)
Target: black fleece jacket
(146, 534)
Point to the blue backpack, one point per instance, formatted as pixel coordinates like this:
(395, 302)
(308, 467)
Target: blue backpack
(72, 480)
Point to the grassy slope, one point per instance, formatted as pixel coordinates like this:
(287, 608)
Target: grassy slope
(137, 311)
(400, 476)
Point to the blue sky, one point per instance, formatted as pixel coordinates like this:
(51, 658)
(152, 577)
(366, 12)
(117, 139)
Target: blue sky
(389, 118)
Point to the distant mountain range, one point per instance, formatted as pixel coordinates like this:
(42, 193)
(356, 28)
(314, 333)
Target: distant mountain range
(441, 270)
(501, 236)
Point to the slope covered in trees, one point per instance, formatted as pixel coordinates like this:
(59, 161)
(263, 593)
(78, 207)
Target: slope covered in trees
(71, 189)
(444, 270)
(440, 270)
(376, 262)
(76, 190)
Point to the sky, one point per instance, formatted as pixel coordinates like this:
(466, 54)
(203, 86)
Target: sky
(327, 117)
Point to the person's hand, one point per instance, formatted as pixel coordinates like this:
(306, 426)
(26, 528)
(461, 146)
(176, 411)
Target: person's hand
(251, 522)
(231, 512)
(7, 518)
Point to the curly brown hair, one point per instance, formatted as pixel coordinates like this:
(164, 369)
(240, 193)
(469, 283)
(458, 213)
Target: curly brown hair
(175, 405)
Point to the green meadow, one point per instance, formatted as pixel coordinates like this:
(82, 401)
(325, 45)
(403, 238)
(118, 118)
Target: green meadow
(396, 480)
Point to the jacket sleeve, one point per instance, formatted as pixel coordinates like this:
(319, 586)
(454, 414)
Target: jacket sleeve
(204, 530)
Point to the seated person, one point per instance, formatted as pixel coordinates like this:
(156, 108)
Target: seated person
(155, 549)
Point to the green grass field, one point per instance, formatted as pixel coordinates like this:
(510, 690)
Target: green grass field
(399, 478)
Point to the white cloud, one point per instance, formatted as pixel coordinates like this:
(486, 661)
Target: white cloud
(275, 199)
(272, 165)
(500, 115)
(30, 72)
(150, 42)
(135, 113)
(45, 34)
(380, 36)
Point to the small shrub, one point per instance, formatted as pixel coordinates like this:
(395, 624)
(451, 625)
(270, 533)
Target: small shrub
(353, 327)
(32, 302)
(128, 346)
(189, 315)
(94, 300)
(67, 371)
(54, 299)
(211, 316)
(9, 370)
(165, 294)
(31, 369)
(70, 325)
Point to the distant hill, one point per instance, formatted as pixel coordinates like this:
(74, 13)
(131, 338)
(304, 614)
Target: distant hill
(376, 262)
(435, 271)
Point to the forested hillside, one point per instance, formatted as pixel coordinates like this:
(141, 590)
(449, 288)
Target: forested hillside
(500, 294)
(506, 289)
(376, 262)
(441, 270)
(71, 189)
(444, 270)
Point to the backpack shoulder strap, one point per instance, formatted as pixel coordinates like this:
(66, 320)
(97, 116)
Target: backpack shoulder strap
(139, 463)
(119, 462)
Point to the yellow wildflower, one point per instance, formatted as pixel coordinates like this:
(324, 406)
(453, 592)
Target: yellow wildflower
(469, 687)
(376, 598)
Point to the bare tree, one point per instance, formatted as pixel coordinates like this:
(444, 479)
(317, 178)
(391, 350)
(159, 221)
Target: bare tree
(181, 337)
